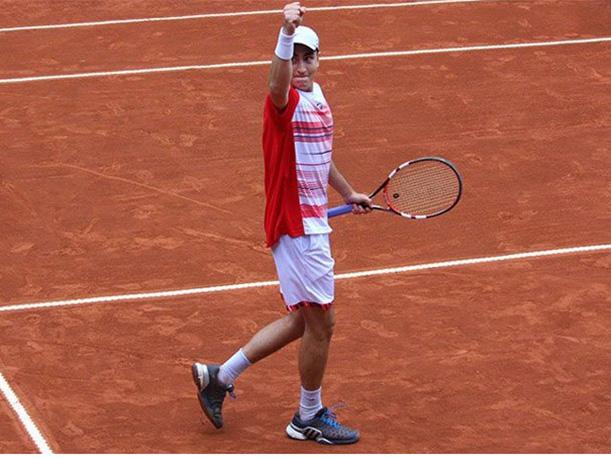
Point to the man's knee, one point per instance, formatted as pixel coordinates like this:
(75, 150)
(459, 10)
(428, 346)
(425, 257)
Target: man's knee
(320, 323)
(296, 322)
(329, 325)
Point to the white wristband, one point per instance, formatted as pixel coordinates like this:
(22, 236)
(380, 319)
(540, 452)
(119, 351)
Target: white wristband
(285, 46)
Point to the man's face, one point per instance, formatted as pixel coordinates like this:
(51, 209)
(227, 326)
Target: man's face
(305, 65)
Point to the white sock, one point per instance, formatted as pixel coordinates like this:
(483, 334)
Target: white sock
(233, 367)
(309, 404)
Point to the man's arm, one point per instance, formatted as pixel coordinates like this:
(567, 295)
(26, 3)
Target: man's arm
(281, 71)
(361, 202)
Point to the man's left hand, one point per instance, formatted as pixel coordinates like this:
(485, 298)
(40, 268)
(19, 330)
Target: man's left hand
(361, 203)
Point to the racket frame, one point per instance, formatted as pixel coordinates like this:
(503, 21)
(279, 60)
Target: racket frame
(347, 208)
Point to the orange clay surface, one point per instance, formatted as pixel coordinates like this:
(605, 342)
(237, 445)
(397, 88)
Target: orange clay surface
(14, 437)
(132, 184)
(443, 361)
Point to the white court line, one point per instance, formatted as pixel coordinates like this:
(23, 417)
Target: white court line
(325, 58)
(26, 420)
(234, 14)
(263, 284)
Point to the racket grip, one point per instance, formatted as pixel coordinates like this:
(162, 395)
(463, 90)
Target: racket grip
(341, 210)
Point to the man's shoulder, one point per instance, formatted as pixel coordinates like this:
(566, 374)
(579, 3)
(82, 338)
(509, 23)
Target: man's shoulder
(280, 114)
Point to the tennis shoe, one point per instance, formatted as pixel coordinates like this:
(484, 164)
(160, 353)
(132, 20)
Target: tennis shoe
(323, 428)
(210, 391)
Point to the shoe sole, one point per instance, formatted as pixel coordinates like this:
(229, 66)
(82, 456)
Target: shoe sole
(202, 381)
(304, 434)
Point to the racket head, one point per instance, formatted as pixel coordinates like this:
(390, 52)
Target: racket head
(423, 188)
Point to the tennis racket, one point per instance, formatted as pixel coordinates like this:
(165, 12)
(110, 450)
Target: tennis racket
(418, 189)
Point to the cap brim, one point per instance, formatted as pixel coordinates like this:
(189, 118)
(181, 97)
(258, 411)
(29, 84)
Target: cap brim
(309, 46)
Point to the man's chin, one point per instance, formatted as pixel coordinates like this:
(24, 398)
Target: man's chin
(303, 85)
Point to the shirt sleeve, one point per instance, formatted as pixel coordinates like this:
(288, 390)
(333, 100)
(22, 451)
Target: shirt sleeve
(282, 118)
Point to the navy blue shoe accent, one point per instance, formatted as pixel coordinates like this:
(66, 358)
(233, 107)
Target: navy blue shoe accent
(323, 428)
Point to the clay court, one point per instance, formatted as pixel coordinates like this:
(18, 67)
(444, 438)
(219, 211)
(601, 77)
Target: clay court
(131, 193)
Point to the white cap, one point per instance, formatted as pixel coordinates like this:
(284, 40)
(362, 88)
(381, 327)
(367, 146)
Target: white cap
(307, 37)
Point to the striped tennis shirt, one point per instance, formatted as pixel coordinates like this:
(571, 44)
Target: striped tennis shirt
(297, 146)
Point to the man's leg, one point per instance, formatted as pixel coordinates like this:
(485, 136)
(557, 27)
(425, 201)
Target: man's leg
(315, 345)
(214, 382)
(313, 356)
(313, 421)
(274, 336)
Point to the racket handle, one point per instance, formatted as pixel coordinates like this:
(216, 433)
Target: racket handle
(341, 210)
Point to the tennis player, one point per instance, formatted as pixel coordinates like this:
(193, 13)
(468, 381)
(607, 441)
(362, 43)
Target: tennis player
(297, 144)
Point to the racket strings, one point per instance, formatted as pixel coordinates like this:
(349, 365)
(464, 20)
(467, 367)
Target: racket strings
(423, 188)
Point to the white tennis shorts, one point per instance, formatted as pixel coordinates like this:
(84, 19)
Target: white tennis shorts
(305, 270)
